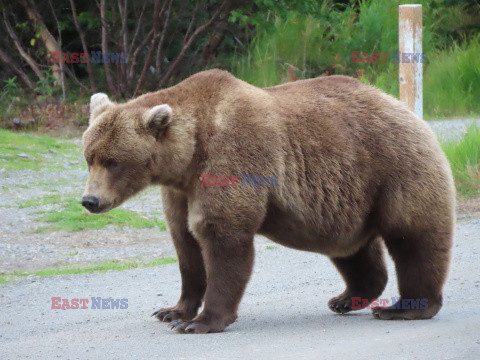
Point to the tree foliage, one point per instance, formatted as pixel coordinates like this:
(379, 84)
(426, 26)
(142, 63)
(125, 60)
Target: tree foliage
(165, 40)
(160, 40)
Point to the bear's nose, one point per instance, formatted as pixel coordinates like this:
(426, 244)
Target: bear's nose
(90, 203)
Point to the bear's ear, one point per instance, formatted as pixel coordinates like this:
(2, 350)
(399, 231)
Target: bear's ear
(97, 101)
(157, 119)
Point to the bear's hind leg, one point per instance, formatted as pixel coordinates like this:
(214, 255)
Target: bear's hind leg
(421, 264)
(365, 275)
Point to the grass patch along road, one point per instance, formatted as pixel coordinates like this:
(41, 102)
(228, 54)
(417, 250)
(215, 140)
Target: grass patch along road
(73, 217)
(20, 151)
(464, 157)
(109, 265)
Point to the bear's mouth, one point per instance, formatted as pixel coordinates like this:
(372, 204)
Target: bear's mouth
(104, 208)
(98, 210)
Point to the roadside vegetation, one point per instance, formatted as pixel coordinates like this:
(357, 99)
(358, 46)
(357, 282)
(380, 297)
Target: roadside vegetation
(299, 45)
(109, 265)
(452, 81)
(464, 157)
(73, 217)
(28, 151)
(263, 42)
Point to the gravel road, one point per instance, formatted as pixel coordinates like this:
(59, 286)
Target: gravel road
(452, 129)
(283, 315)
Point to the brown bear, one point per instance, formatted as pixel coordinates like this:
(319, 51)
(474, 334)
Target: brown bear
(355, 170)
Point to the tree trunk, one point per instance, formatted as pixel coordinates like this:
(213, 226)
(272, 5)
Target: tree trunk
(153, 44)
(47, 38)
(199, 31)
(215, 40)
(158, 61)
(108, 74)
(84, 45)
(33, 65)
(218, 33)
(19, 72)
(122, 45)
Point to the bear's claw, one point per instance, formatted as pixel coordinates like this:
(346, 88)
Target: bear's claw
(192, 327)
(339, 308)
(198, 326)
(170, 314)
(179, 326)
(340, 304)
(173, 324)
(163, 315)
(397, 314)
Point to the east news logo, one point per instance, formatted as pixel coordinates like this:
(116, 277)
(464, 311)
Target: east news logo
(359, 57)
(96, 303)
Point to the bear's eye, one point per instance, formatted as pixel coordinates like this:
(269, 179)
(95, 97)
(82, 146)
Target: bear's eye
(110, 163)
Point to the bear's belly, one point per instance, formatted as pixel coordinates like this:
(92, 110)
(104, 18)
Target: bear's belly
(286, 229)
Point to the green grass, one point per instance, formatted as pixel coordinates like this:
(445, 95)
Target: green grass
(296, 42)
(109, 265)
(464, 157)
(37, 148)
(46, 200)
(452, 81)
(73, 217)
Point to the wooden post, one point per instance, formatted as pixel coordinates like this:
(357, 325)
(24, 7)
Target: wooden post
(410, 69)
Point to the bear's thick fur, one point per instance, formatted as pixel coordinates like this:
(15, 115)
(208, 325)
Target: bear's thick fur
(354, 170)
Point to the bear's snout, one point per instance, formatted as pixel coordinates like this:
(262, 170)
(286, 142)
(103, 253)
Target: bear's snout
(91, 203)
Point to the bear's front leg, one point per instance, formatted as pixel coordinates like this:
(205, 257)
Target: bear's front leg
(228, 254)
(190, 260)
(193, 275)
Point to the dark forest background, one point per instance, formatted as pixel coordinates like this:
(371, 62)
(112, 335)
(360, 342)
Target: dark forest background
(264, 42)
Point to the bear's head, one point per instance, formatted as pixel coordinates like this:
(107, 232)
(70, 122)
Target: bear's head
(130, 146)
